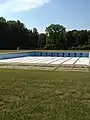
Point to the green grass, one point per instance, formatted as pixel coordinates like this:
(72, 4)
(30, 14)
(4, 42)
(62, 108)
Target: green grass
(13, 51)
(44, 95)
(63, 50)
(10, 51)
(7, 51)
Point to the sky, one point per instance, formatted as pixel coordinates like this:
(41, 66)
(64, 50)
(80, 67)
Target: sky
(72, 14)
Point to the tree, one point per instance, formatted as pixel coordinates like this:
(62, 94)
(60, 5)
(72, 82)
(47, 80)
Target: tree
(35, 38)
(2, 19)
(42, 41)
(72, 39)
(14, 34)
(88, 43)
(55, 34)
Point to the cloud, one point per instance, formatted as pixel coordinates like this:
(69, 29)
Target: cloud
(10, 6)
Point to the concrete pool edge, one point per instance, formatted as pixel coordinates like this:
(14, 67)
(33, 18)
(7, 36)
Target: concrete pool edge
(44, 64)
(48, 68)
(48, 64)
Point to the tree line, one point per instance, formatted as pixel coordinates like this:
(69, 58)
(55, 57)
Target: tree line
(14, 34)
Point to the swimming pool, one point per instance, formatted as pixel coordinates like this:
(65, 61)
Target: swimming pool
(45, 54)
(47, 58)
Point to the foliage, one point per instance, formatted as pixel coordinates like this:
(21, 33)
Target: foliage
(14, 34)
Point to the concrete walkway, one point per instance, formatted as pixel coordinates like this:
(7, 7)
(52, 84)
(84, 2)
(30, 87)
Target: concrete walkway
(47, 61)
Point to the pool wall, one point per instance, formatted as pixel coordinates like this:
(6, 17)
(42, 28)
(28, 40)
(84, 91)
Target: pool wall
(51, 54)
(16, 55)
(62, 54)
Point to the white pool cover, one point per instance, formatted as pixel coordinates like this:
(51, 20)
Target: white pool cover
(48, 60)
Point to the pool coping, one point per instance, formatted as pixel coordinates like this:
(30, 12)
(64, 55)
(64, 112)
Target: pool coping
(81, 68)
(42, 65)
(48, 68)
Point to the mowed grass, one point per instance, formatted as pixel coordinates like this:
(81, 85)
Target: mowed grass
(11, 51)
(7, 51)
(62, 50)
(15, 51)
(44, 95)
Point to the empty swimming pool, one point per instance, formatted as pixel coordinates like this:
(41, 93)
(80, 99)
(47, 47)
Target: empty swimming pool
(46, 58)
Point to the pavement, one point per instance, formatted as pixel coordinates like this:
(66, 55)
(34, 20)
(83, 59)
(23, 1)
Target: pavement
(48, 61)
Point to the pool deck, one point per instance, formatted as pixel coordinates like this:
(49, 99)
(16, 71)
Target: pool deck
(48, 61)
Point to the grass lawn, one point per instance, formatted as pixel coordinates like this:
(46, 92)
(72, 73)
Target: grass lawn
(14, 51)
(63, 50)
(7, 51)
(44, 95)
(11, 51)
